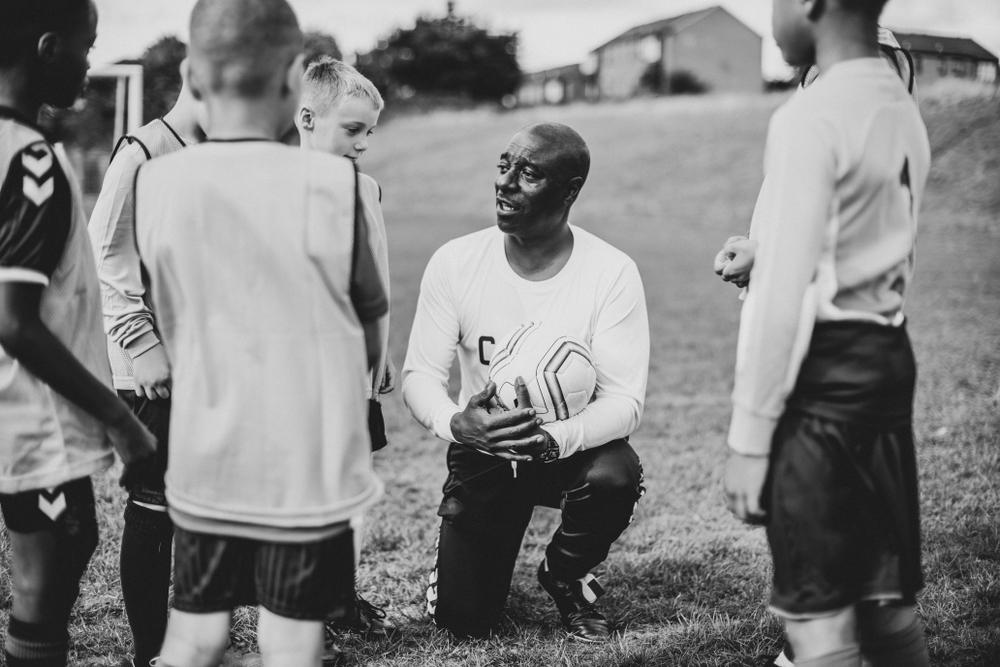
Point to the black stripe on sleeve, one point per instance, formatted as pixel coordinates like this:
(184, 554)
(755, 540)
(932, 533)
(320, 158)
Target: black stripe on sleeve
(36, 209)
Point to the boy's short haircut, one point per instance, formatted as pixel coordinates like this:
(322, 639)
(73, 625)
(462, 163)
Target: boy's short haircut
(24, 21)
(240, 46)
(871, 8)
(327, 81)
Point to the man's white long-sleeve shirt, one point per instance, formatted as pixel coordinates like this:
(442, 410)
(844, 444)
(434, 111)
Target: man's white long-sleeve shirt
(470, 299)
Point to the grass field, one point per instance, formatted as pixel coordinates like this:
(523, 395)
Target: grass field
(686, 582)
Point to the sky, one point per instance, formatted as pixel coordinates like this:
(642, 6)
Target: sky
(552, 32)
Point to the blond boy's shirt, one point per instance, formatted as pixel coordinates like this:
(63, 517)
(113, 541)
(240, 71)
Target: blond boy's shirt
(371, 200)
(836, 220)
(261, 276)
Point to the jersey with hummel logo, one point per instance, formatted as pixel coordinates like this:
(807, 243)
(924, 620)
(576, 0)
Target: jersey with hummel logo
(45, 440)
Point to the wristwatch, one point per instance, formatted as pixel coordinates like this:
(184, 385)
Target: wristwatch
(551, 451)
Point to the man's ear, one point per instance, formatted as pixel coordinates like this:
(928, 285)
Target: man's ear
(305, 120)
(48, 47)
(189, 78)
(573, 188)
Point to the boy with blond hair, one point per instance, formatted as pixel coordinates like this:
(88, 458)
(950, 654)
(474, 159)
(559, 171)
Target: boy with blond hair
(337, 114)
(268, 301)
(821, 439)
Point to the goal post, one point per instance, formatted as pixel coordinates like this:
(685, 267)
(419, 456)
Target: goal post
(128, 95)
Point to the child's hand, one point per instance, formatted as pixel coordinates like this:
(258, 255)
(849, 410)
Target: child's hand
(739, 253)
(389, 378)
(134, 444)
(151, 371)
(724, 256)
(744, 484)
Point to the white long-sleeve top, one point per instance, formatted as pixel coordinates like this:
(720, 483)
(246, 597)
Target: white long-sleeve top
(470, 299)
(836, 222)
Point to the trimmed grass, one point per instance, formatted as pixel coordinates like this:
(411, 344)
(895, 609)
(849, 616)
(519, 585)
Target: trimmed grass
(671, 179)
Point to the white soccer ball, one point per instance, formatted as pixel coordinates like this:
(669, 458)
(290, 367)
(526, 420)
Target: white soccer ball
(557, 368)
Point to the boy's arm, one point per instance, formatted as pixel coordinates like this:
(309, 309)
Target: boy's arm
(384, 373)
(779, 312)
(367, 292)
(34, 228)
(620, 348)
(128, 320)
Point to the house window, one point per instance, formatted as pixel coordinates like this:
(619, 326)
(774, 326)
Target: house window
(958, 67)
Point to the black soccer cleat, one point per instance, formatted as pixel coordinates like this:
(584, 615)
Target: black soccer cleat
(575, 601)
(363, 619)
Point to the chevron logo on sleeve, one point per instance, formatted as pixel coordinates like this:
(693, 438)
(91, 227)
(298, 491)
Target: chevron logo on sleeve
(39, 182)
(51, 504)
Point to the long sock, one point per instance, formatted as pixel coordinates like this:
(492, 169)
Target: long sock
(36, 644)
(845, 657)
(906, 648)
(145, 577)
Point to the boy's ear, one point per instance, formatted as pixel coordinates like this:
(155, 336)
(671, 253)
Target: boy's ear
(190, 79)
(305, 119)
(48, 47)
(813, 9)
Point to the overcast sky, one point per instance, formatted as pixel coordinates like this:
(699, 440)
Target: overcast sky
(553, 32)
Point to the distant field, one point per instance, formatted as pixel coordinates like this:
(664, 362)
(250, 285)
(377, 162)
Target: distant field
(686, 582)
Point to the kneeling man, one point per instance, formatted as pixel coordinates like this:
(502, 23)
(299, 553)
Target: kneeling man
(533, 266)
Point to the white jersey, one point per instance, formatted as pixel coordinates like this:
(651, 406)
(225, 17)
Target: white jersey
(470, 298)
(836, 220)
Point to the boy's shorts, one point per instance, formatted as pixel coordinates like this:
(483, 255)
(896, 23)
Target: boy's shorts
(155, 415)
(68, 507)
(842, 502)
(303, 581)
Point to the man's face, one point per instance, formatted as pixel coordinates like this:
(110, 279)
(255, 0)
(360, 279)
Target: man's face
(67, 67)
(792, 31)
(345, 128)
(531, 186)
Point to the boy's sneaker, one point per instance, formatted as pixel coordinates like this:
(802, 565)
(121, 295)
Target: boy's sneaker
(364, 619)
(575, 600)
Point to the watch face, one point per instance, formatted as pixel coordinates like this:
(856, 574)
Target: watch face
(551, 451)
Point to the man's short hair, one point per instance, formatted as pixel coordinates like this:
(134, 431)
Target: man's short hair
(327, 81)
(22, 22)
(241, 46)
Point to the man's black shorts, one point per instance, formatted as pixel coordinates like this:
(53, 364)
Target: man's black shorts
(304, 581)
(843, 515)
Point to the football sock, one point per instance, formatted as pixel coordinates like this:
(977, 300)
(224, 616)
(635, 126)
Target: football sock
(845, 657)
(145, 576)
(904, 648)
(36, 644)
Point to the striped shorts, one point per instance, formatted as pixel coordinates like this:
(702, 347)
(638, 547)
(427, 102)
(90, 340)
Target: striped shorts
(303, 581)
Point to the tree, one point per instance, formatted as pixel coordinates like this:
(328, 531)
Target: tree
(447, 55)
(320, 44)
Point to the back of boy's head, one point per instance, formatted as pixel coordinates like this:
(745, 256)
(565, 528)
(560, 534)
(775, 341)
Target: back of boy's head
(328, 81)
(871, 9)
(240, 47)
(22, 22)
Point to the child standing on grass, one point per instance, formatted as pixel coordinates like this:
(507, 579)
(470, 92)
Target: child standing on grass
(139, 367)
(58, 415)
(268, 299)
(821, 437)
(337, 114)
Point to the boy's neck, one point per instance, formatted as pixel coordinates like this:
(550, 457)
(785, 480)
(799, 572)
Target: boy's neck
(232, 118)
(845, 36)
(16, 93)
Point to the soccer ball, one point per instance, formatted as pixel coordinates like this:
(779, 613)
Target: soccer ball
(557, 369)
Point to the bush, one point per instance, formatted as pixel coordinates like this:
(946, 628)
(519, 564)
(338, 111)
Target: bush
(683, 82)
